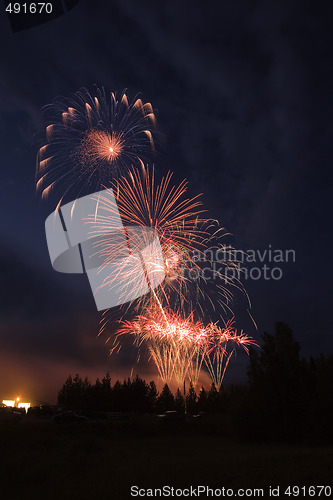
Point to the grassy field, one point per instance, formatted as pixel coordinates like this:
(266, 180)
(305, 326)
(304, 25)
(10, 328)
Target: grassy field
(101, 460)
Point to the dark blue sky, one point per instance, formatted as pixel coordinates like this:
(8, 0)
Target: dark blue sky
(243, 95)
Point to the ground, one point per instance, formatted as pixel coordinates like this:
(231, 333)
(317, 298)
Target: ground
(101, 460)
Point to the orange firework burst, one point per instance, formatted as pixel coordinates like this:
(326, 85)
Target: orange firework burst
(180, 346)
(178, 343)
(99, 146)
(91, 139)
(173, 343)
(184, 237)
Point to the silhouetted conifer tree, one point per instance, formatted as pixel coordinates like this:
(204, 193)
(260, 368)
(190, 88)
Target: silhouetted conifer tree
(179, 402)
(65, 394)
(202, 403)
(191, 400)
(165, 401)
(212, 399)
(278, 384)
(152, 396)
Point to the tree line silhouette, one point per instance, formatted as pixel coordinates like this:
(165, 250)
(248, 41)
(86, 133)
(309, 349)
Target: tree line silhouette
(286, 397)
(132, 396)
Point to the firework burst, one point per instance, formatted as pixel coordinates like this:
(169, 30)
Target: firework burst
(98, 146)
(172, 342)
(187, 239)
(91, 139)
(180, 347)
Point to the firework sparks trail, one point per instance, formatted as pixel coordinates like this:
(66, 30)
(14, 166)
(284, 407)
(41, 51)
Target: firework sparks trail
(220, 347)
(91, 139)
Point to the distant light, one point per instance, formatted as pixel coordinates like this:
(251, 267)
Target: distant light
(24, 405)
(8, 402)
(17, 399)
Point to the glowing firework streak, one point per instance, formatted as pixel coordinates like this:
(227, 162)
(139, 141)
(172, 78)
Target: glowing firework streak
(220, 346)
(92, 139)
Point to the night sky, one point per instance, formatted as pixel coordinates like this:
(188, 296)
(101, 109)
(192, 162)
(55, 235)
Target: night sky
(243, 96)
